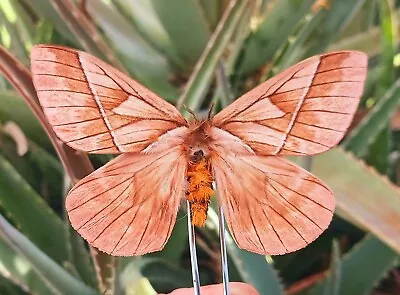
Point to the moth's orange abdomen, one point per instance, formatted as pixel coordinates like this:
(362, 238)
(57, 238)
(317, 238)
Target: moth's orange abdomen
(200, 189)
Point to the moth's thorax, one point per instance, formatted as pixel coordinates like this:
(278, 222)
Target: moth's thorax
(198, 138)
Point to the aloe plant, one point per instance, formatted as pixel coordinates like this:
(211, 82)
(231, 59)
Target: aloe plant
(194, 53)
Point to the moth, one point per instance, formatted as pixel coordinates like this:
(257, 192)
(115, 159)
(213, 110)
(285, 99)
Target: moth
(129, 206)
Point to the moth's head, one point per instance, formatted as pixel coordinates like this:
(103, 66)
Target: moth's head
(196, 155)
(197, 152)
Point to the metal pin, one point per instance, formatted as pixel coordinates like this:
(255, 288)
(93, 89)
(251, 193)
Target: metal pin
(224, 256)
(193, 254)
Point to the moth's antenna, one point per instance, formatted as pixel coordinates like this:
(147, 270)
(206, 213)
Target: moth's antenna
(224, 256)
(190, 112)
(210, 112)
(193, 254)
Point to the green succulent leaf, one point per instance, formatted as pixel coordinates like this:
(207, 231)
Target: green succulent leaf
(58, 279)
(8, 287)
(264, 42)
(80, 257)
(133, 282)
(36, 166)
(84, 30)
(19, 270)
(198, 84)
(374, 122)
(31, 214)
(358, 189)
(164, 275)
(145, 63)
(187, 29)
(11, 101)
(145, 19)
(335, 20)
(17, 44)
(44, 9)
(361, 268)
(212, 11)
(334, 278)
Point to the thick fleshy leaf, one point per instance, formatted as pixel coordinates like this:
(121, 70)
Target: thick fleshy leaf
(369, 259)
(145, 63)
(262, 45)
(44, 9)
(197, 86)
(131, 280)
(31, 214)
(378, 154)
(50, 272)
(20, 271)
(358, 189)
(85, 31)
(334, 279)
(16, 35)
(336, 19)
(188, 29)
(212, 11)
(36, 166)
(374, 122)
(11, 101)
(146, 21)
(163, 275)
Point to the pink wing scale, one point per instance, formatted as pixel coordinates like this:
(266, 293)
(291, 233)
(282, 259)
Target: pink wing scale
(129, 206)
(271, 206)
(92, 106)
(317, 99)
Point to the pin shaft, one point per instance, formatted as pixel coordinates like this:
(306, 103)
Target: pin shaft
(224, 256)
(193, 253)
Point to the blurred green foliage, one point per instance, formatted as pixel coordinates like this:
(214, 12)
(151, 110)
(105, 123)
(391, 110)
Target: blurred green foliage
(184, 50)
